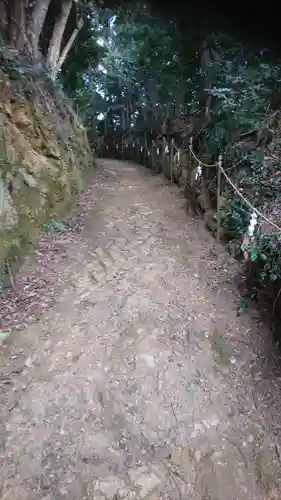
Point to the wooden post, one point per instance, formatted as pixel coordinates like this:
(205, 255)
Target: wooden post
(189, 158)
(171, 160)
(163, 154)
(218, 199)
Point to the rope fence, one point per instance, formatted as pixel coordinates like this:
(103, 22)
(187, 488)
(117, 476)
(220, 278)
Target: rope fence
(165, 155)
(220, 168)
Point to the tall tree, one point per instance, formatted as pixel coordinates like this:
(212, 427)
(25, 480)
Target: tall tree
(57, 36)
(36, 23)
(24, 22)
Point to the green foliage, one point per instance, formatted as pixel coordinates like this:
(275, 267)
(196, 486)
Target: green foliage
(236, 219)
(54, 226)
(266, 252)
(83, 57)
(137, 58)
(241, 87)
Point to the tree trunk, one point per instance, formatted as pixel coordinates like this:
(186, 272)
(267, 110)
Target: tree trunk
(4, 19)
(67, 48)
(57, 36)
(16, 30)
(205, 62)
(39, 13)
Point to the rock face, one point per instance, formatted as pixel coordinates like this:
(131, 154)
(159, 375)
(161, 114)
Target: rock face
(44, 154)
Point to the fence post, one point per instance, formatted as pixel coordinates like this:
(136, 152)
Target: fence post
(171, 160)
(163, 155)
(218, 198)
(189, 158)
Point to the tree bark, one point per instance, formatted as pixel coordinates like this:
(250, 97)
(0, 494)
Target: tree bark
(57, 36)
(4, 19)
(16, 25)
(67, 48)
(39, 13)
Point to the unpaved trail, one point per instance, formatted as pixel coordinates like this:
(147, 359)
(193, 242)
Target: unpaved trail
(140, 382)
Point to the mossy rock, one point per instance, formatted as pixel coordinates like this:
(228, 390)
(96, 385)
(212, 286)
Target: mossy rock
(45, 158)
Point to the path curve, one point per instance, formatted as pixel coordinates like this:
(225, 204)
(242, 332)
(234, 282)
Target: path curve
(140, 382)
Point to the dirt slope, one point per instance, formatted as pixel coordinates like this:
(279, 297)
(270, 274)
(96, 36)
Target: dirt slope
(139, 381)
(45, 157)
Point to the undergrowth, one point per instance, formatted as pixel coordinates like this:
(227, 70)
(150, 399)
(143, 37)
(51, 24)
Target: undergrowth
(245, 127)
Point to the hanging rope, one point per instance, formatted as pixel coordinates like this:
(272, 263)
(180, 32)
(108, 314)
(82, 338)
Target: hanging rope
(237, 191)
(206, 165)
(220, 168)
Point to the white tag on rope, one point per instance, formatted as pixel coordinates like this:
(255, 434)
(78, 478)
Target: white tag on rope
(252, 224)
(198, 172)
(166, 148)
(158, 151)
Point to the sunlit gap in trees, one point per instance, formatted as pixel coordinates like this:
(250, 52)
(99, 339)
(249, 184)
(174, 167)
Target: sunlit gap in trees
(104, 42)
(101, 40)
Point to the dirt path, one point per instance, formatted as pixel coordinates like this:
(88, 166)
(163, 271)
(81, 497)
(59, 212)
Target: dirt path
(140, 381)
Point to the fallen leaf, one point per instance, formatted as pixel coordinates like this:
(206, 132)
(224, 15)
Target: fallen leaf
(4, 334)
(30, 360)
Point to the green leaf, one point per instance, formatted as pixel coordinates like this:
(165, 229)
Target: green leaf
(54, 225)
(59, 227)
(241, 306)
(4, 334)
(254, 254)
